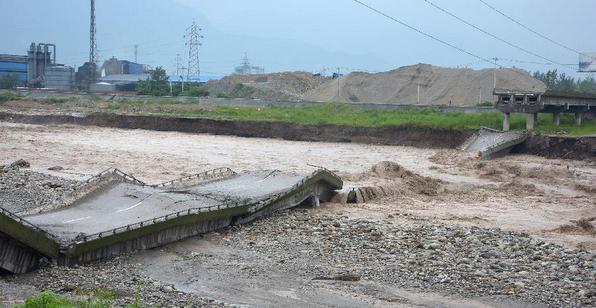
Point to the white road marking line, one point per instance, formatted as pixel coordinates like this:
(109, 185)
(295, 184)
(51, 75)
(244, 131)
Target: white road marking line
(78, 219)
(130, 208)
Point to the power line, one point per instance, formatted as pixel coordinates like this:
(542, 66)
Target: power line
(531, 30)
(533, 62)
(491, 35)
(424, 33)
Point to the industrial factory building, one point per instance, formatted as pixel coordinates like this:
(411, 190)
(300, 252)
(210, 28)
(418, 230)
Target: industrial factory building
(119, 75)
(11, 65)
(39, 69)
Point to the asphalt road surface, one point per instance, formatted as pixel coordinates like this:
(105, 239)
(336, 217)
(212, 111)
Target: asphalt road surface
(120, 204)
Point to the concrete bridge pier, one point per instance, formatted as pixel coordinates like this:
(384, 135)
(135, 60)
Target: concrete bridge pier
(557, 118)
(579, 117)
(506, 121)
(531, 120)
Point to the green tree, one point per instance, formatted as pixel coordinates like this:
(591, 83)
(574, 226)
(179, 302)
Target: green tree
(563, 83)
(157, 84)
(195, 90)
(10, 81)
(587, 85)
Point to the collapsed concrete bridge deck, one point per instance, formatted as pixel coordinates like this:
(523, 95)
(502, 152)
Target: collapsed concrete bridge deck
(114, 213)
(489, 143)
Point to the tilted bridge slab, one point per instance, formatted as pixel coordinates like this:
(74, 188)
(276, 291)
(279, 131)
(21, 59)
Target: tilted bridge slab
(114, 213)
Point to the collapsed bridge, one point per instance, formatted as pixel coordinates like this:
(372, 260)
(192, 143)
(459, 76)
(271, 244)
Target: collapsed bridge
(114, 213)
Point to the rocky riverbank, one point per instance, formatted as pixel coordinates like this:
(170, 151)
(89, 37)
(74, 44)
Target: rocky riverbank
(467, 261)
(23, 191)
(117, 276)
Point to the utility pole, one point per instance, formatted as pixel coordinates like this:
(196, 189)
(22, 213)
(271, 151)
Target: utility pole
(495, 72)
(418, 93)
(495, 77)
(136, 53)
(180, 70)
(178, 66)
(92, 44)
(338, 77)
(193, 36)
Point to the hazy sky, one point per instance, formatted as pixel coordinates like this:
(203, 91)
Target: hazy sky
(310, 35)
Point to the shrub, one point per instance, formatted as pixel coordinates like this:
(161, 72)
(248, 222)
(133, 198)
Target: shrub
(47, 299)
(10, 81)
(243, 91)
(10, 96)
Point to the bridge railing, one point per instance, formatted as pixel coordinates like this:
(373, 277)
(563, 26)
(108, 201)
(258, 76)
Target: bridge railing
(254, 204)
(26, 223)
(203, 176)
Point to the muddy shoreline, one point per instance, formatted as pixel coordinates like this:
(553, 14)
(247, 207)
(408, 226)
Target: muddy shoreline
(541, 145)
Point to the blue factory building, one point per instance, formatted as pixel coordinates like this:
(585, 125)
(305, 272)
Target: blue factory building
(13, 65)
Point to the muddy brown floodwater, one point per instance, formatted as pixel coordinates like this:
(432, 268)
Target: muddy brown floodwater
(543, 197)
(550, 199)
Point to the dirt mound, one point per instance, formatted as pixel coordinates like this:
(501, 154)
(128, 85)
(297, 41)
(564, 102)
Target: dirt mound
(437, 85)
(275, 86)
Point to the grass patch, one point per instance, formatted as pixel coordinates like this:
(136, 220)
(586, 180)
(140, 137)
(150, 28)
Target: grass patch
(99, 298)
(58, 100)
(114, 106)
(10, 96)
(153, 101)
(344, 114)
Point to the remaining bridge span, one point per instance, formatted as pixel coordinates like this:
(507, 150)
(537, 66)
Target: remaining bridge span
(113, 213)
(532, 103)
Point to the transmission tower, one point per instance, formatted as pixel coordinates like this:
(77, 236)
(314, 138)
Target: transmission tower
(193, 35)
(92, 40)
(136, 53)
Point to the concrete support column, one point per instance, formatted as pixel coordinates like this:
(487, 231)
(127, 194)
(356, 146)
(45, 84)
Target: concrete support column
(316, 202)
(530, 121)
(557, 118)
(578, 118)
(506, 121)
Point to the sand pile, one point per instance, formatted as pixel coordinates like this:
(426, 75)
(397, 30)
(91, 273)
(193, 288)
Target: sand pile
(438, 86)
(292, 86)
